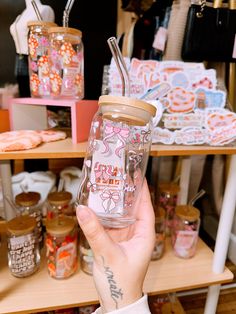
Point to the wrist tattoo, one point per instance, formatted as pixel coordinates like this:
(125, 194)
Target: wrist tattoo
(116, 293)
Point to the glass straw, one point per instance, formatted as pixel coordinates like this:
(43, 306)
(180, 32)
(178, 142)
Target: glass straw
(120, 63)
(66, 12)
(196, 197)
(36, 9)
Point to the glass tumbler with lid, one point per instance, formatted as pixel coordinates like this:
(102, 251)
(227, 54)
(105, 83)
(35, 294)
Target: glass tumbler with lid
(185, 231)
(61, 245)
(116, 159)
(67, 63)
(23, 248)
(39, 66)
(59, 203)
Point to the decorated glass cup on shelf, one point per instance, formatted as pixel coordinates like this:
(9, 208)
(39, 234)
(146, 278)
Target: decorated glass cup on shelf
(167, 199)
(39, 66)
(159, 246)
(59, 203)
(23, 247)
(185, 231)
(116, 159)
(66, 56)
(61, 247)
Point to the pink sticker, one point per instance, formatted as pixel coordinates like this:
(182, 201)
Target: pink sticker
(160, 39)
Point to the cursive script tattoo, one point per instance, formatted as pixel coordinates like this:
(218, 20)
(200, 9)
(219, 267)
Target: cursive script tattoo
(116, 293)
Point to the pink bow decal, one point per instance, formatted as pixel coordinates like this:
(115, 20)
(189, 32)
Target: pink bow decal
(146, 136)
(110, 199)
(121, 133)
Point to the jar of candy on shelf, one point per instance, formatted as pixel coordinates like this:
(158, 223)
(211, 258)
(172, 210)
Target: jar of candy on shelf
(61, 247)
(28, 204)
(86, 255)
(39, 67)
(160, 234)
(67, 63)
(167, 199)
(59, 203)
(185, 231)
(23, 247)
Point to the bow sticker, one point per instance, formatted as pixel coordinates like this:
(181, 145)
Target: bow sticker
(110, 199)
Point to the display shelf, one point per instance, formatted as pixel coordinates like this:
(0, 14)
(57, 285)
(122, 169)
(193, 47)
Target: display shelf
(66, 149)
(40, 292)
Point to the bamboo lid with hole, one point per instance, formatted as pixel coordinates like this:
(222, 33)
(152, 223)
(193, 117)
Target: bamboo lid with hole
(27, 198)
(187, 212)
(21, 225)
(59, 198)
(169, 187)
(65, 30)
(41, 23)
(60, 226)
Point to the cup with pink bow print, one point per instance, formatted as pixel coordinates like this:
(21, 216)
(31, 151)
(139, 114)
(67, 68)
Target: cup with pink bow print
(116, 159)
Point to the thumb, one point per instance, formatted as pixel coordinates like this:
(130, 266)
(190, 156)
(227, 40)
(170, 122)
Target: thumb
(98, 239)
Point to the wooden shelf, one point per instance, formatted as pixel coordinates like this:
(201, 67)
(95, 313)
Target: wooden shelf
(66, 149)
(40, 292)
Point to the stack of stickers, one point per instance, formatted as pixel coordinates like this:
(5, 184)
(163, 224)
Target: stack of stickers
(190, 108)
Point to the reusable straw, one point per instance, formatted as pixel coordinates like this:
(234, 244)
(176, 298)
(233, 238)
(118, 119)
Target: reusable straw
(66, 12)
(196, 197)
(120, 63)
(36, 9)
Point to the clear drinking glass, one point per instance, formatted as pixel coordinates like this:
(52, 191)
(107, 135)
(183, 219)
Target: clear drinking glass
(116, 159)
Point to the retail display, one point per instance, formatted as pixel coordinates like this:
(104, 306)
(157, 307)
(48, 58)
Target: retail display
(210, 32)
(66, 55)
(39, 67)
(62, 250)
(59, 203)
(116, 159)
(185, 230)
(28, 204)
(23, 248)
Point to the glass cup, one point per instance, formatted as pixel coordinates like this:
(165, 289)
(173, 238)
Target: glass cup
(160, 234)
(116, 159)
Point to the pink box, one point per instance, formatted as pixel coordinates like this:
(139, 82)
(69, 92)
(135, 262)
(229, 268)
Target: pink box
(31, 114)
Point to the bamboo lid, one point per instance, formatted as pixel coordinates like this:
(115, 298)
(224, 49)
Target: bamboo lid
(60, 226)
(41, 23)
(59, 198)
(169, 187)
(127, 101)
(21, 225)
(27, 198)
(65, 30)
(187, 212)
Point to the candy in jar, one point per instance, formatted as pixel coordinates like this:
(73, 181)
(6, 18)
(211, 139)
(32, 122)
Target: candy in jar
(160, 234)
(67, 63)
(167, 199)
(27, 203)
(116, 159)
(61, 247)
(86, 255)
(59, 203)
(23, 248)
(185, 230)
(39, 66)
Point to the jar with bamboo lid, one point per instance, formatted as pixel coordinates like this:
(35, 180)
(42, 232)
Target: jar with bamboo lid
(116, 159)
(167, 199)
(28, 204)
(67, 63)
(59, 203)
(23, 248)
(185, 231)
(61, 247)
(38, 47)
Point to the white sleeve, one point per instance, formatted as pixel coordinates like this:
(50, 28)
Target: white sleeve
(138, 307)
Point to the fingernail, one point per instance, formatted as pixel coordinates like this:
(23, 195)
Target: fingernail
(83, 214)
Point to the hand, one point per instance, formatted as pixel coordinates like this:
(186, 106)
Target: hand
(121, 256)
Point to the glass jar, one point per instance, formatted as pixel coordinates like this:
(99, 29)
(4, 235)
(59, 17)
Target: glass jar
(86, 255)
(38, 47)
(116, 159)
(185, 231)
(160, 234)
(61, 247)
(59, 203)
(67, 63)
(167, 199)
(23, 248)
(27, 203)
